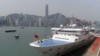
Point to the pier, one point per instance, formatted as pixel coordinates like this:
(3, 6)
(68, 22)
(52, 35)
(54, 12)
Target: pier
(92, 49)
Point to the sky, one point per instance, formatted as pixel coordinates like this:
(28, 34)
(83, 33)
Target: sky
(82, 9)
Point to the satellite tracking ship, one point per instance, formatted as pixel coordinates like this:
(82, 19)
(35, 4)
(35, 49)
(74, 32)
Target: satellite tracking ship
(61, 43)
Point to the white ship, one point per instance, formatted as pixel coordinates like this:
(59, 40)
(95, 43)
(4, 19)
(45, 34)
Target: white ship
(72, 29)
(61, 43)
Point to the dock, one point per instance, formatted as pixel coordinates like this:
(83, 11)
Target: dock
(92, 49)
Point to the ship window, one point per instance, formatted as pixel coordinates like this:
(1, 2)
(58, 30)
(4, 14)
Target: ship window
(58, 54)
(45, 52)
(69, 34)
(62, 38)
(50, 49)
(76, 39)
(67, 31)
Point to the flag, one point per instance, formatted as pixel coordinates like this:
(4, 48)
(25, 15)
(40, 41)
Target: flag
(36, 36)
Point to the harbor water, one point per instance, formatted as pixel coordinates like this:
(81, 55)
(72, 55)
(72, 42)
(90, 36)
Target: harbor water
(10, 46)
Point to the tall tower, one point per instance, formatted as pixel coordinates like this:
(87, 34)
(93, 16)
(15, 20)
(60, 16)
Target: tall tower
(46, 11)
(46, 15)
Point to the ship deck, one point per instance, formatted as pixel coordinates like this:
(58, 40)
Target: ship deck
(52, 42)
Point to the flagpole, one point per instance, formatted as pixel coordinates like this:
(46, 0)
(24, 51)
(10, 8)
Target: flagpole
(35, 37)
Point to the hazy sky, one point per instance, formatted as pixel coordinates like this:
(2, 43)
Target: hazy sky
(83, 9)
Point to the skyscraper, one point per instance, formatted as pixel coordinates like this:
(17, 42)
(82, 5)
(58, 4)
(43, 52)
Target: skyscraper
(46, 11)
(10, 21)
(40, 21)
(46, 16)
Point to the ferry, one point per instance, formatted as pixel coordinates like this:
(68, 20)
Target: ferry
(10, 30)
(61, 43)
(73, 29)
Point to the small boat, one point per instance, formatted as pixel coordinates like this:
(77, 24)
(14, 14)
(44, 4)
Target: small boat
(16, 37)
(61, 43)
(10, 31)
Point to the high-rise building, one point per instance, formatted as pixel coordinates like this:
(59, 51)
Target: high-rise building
(10, 21)
(16, 22)
(40, 21)
(46, 16)
(46, 11)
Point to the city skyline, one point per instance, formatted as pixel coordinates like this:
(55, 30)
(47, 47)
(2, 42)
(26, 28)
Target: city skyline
(83, 9)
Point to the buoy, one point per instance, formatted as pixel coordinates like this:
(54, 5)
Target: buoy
(17, 37)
